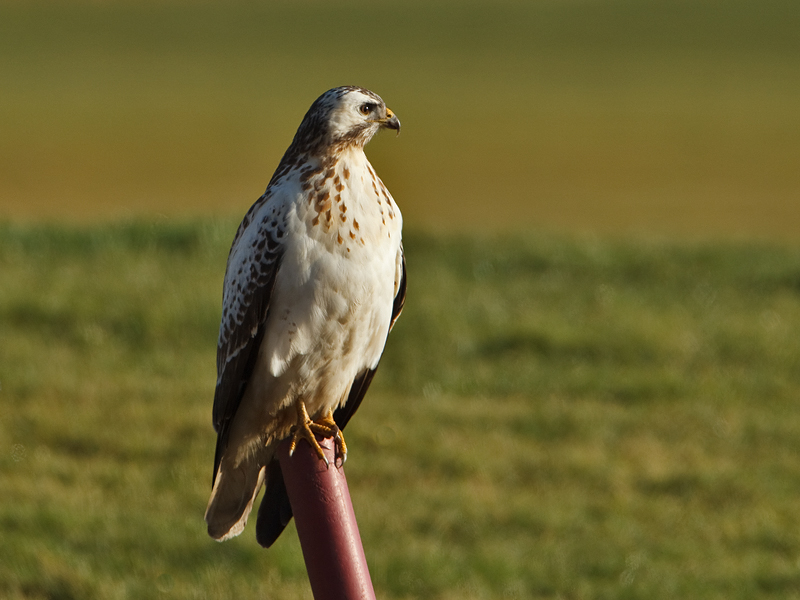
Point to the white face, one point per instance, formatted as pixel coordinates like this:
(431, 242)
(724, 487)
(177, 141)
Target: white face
(356, 110)
(347, 116)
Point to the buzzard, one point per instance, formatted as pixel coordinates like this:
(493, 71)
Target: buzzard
(316, 278)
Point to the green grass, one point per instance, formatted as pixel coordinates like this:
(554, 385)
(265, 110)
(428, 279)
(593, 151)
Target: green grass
(604, 115)
(555, 417)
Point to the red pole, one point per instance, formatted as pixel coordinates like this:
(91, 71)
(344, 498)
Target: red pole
(326, 523)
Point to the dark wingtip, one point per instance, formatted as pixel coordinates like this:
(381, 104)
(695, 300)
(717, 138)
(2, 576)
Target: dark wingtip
(275, 511)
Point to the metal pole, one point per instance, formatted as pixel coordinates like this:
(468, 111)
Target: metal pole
(326, 523)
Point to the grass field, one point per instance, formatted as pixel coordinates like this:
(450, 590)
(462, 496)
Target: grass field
(600, 402)
(674, 117)
(555, 417)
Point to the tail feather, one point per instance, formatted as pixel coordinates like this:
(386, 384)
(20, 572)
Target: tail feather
(235, 490)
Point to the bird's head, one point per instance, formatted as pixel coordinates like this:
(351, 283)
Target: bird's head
(344, 116)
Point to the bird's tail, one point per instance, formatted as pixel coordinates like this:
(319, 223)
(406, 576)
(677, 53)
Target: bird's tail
(235, 490)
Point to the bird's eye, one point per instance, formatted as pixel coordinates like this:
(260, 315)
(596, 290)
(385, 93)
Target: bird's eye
(366, 108)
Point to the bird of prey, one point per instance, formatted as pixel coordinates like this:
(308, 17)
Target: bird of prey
(316, 278)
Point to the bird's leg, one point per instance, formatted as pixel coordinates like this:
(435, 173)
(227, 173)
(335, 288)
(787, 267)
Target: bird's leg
(326, 427)
(302, 429)
(336, 433)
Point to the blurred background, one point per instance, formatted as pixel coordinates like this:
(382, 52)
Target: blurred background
(592, 392)
(653, 116)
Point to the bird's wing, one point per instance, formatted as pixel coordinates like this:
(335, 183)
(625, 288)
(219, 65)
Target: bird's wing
(275, 511)
(249, 280)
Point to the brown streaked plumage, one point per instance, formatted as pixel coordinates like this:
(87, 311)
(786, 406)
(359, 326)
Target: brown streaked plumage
(306, 309)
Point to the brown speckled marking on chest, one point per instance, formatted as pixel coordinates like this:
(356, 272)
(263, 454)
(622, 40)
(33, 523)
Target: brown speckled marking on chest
(337, 184)
(320, 199)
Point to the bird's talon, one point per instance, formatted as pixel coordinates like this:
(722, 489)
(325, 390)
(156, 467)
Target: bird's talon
(326, 427)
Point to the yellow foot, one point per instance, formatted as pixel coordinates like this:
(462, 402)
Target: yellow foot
(326, 427)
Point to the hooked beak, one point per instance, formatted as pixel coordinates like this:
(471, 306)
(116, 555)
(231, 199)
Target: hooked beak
(391, 121)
